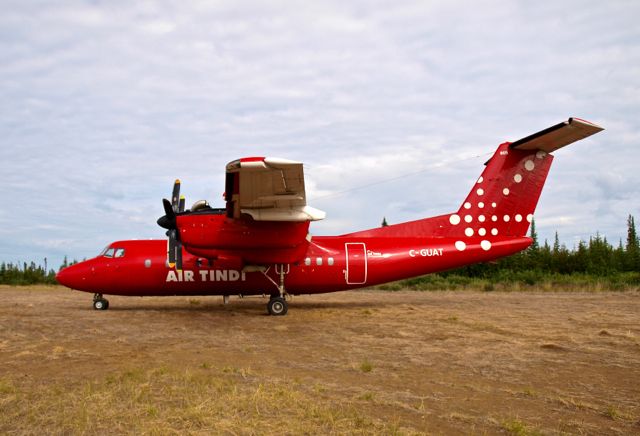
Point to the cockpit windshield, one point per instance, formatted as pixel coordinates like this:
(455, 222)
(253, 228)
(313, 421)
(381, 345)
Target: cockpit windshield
(103, 251)
(109, 252)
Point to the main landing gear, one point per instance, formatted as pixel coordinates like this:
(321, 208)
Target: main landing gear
(277, 305)
(100, 303)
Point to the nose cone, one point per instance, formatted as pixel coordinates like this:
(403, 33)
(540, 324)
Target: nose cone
(71, 276)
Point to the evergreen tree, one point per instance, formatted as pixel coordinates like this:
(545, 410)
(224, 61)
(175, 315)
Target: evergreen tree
(384, 222)
(633, 249)
(535, 247)
(556, 244)
(533, 251)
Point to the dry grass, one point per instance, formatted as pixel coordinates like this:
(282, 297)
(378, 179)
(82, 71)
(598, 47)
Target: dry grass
(361, 362)
(166, 401)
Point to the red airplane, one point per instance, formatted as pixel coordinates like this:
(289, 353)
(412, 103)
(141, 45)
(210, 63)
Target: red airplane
(260, 244)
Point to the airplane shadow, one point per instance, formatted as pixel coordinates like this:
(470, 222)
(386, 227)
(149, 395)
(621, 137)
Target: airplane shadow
(254, 306)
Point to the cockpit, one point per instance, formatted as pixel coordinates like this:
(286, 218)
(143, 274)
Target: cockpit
(111, 252)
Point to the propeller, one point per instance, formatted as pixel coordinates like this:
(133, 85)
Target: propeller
(169, 222)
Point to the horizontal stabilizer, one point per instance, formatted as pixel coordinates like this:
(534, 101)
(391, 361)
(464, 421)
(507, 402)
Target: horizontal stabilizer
(558, 136)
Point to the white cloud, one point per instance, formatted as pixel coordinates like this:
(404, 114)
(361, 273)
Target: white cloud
(106, 103)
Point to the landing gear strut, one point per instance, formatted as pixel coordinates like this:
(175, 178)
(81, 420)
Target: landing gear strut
(100, 303)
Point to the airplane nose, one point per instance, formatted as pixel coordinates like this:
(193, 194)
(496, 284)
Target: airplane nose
(69, 277)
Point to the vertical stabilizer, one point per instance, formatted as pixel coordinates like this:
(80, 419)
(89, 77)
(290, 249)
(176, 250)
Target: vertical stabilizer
(504, 198)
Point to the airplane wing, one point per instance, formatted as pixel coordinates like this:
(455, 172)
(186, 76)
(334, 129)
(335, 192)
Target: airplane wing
(558, 136)
(268, 189)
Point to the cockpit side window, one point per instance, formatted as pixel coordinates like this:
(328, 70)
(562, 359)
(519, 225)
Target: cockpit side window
(109, 252)
(103, 251)
(119, 252)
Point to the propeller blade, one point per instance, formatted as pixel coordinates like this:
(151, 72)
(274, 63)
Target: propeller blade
(171, 249)
(168, 210)
(178, 257)
(175, 198)
(182, 201)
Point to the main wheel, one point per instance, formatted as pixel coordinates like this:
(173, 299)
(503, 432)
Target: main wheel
(100, 304)
(277, 306)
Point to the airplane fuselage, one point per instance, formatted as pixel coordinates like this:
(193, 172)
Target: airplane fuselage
(331, 264)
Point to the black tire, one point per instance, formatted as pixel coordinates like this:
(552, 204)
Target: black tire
(277, 306)
(100, 304)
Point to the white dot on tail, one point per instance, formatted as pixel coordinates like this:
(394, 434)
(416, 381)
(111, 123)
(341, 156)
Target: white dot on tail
(468, 218)
(480, 180)
(493, 205)
(454, 219)
(481, 218)
(494, 232)
(494, 218)
(486, 245)
(529, 217)
(540, 154)
(518, 217)
(480, 191)
(506, 218)
(481, 205)
(460, 245)
(529, 165)
(505, 191)
(467, 205)
(517, 178)
(482, 232)
(468, 231)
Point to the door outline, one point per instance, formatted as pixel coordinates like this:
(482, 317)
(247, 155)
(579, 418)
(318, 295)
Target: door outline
(364, 251)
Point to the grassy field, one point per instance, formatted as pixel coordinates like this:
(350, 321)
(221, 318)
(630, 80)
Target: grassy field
(360, 362)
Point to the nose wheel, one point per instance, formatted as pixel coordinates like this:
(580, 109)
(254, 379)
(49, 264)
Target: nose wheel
(100, 303)
(277, 306)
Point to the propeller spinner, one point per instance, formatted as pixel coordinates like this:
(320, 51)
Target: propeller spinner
(169, 222)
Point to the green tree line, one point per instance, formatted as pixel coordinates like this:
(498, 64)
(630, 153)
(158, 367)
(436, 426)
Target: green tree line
(31, 274)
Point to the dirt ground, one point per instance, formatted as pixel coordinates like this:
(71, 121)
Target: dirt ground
(435, 362)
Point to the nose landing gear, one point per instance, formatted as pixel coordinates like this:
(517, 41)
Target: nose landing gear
(100, 303)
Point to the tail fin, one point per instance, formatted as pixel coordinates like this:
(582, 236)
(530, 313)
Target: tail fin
(504, 198)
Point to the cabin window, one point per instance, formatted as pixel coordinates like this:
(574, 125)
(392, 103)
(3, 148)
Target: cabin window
(330, 261)
(119, 252)
(109, 252)
(147, 263)
(198, 263)
(319, 261)
(211, 263)
(307, 261)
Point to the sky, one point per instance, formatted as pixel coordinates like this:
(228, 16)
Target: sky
(103, 104)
